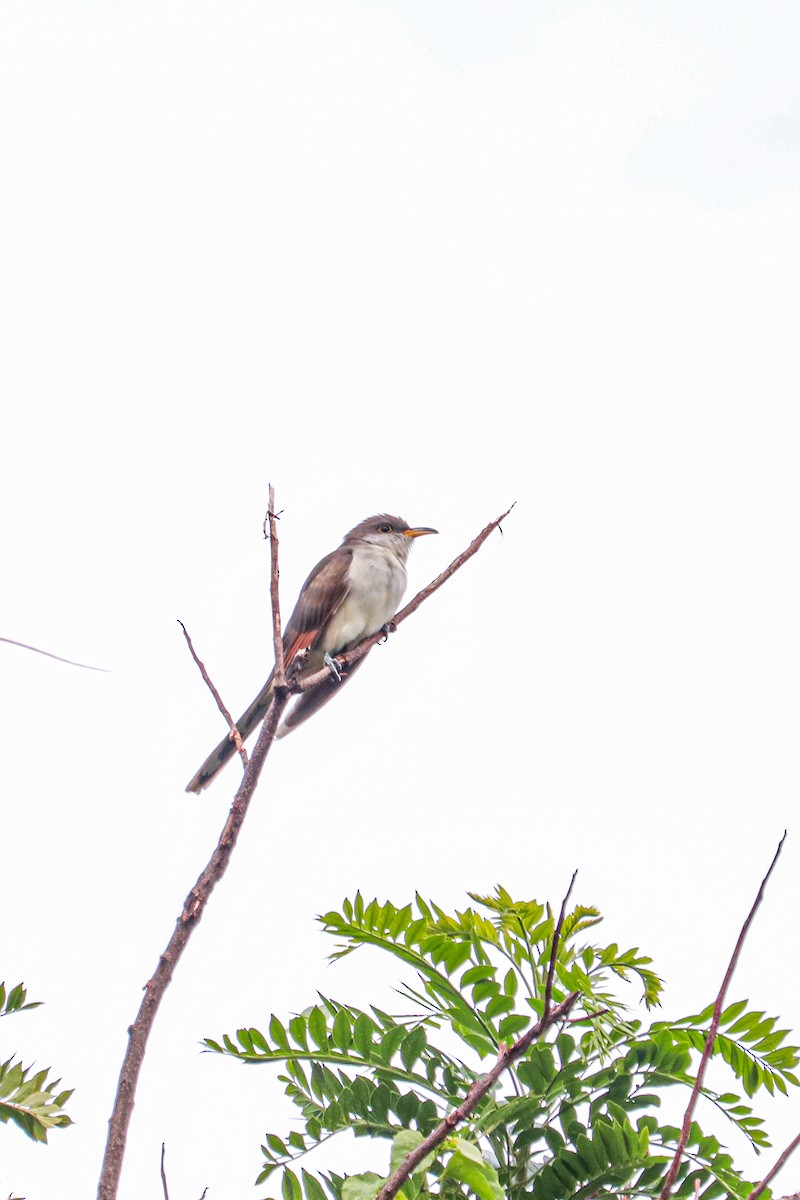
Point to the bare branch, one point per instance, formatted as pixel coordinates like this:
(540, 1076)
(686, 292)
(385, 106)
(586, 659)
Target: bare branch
(551, 970)
(507, 1055)
(280, 671)
(57, 657)
(164, 1174)
(193, 909)
(770, 1175)
(672, 1173)
(234, 734)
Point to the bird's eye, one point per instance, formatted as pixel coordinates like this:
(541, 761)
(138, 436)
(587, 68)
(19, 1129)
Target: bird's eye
(385, 528)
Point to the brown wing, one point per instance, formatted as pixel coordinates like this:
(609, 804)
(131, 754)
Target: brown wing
(320, 597)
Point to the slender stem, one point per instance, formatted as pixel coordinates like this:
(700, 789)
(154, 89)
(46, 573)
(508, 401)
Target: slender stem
(277, 640)
(164, 1173)
(674, 1167)
(220, 702)
(770, 1175)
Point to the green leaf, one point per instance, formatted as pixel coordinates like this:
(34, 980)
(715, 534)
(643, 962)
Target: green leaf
(468, 1166)
(298, 1032)
(278, 1033)
(317, 1027)
(340, 1032)
(362, 1187)
(402, 1145)
(312, 1187)
(412, 1047)
(512, 1026)
(477, 974)
(290, 1186)
(362, 1035)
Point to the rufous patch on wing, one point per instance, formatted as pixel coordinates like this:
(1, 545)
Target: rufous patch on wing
(302, 641)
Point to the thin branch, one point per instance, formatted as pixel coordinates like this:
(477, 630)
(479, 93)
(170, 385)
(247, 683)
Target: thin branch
(198, 897)
(280, 671)
(352, 656)
(57, 657)
(551, 970)
(234, 734)
(708, 1048)
(507, 1055)
(482, 1086)
(164, 1174)
(770, 1175)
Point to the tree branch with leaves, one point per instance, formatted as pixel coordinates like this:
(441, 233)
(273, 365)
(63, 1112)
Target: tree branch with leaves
(570, 1108)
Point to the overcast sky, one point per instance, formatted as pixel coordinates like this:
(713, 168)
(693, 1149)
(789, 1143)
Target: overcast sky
(421, 257)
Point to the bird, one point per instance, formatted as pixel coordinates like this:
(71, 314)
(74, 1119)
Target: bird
(352, 593)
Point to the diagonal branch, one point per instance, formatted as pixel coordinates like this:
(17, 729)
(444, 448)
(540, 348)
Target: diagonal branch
(708, 1048)
(770, 1175)
(195, 903)
(193, 909)
(551, 970)
(481, 1087)
(235, 735)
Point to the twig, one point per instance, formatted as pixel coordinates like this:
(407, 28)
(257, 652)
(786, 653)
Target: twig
(507, 1055)
(234, 734)
(672, 1173)
(164, 1174)
(352, 656)
(280, 672)
(57, 657)
(770, 1175)
(551, 970)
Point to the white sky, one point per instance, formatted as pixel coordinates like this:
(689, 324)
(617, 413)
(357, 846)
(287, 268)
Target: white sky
(419, 257)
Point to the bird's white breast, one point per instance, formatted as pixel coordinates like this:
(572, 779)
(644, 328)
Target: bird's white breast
(376, 582)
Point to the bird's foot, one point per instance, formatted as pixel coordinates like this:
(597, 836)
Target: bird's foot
(388, 628)
(332, 666)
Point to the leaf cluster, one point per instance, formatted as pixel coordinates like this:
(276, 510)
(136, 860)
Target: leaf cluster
(577, 1113)
(28, 1100)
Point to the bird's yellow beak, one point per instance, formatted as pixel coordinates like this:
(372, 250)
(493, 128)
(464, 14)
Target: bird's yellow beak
(419, 531)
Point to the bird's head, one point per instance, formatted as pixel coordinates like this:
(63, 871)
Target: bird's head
(392, 532)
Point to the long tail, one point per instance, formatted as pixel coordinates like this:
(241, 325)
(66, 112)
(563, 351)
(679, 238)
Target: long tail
(304, 707)
(226, 749)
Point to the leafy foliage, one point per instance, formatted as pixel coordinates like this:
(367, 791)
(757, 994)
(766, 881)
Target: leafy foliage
(28, 1100)
(576, 1113)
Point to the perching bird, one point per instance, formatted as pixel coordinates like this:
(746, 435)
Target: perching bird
(351, 593)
